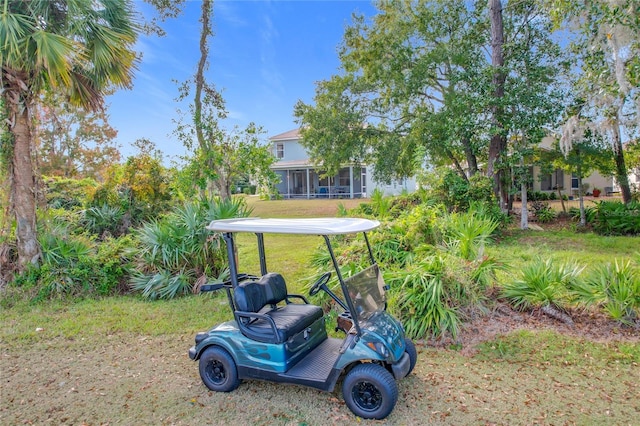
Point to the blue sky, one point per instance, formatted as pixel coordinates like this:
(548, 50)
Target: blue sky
(264, 56)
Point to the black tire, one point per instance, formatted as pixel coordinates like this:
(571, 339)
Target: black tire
(370, 391)
(410, 348)
(218, 370)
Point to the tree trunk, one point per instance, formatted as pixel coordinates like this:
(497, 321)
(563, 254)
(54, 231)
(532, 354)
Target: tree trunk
(202, 66)
(472, 161)
(24, 190)
(621, 168)
(498, 144)
(583, 216)
(524, 212)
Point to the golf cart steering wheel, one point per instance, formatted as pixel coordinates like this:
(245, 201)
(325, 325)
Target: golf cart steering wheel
(322, 281)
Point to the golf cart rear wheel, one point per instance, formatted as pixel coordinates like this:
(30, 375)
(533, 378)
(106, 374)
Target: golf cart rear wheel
(370, 391)
(218, 370)
(410, 348)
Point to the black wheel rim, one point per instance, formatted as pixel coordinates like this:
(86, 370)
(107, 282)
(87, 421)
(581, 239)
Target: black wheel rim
(367, 396)
(216, 372)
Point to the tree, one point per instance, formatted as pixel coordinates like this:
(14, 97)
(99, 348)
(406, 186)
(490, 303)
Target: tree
(498, 145)
(410, 90)
(219, 155)
(78, 48)
(607, 46)
(417, 85)
(74, 142)
(533, 97)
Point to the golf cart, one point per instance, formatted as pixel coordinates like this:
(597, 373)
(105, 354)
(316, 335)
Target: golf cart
(281, 337)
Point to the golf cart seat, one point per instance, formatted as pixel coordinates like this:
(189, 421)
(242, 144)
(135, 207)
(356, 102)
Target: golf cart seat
(259, 316)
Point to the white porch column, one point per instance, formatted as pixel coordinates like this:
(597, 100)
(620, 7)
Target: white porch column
(350, 181)
(288, 184)
(308, 186)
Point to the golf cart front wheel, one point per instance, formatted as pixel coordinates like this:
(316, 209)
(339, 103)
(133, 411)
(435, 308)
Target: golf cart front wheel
(218, 370)
(370, 391)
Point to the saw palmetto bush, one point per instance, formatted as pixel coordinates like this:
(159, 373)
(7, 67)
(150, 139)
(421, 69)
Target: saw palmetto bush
(177, 252)
(437, 279)
(103, 220)
(616, 218)
(73, 264)
(422, 298)
(543, 284)
(465, 234)
(614, 287)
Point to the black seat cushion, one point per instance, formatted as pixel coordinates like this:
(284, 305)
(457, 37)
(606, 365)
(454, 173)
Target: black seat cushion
(252, 296)
(261, 297)
(290, 320)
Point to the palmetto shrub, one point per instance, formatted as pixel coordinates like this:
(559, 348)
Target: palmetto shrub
(103, 220)
(543, 284)
(74, 265)
(465, 234)
(421, 299)
(615, 287)
(616, 218)
(433, 287)
(177, 252)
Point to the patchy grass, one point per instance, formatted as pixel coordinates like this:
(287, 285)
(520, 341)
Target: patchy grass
(564, 245)
(122, 360)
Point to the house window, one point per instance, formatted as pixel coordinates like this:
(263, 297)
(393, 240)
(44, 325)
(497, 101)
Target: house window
(574, 181)
(344, 177)
(545, 183)
(279, 150)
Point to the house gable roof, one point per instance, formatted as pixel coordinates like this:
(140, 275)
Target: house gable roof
(286, 136)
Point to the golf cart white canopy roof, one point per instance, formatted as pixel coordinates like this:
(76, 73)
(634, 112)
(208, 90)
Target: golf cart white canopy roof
(308, 226)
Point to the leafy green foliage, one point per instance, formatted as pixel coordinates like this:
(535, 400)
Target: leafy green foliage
(543, 212)
(541, 283)
(616, 218)
(178, 252)
(613, 286)
(466, 234)
(141, 187)
(433, 261)
(103, 220)
(381, 204)
(423, 299)
(68, 193)
(458, 193)
(590, 214)
(73, 265)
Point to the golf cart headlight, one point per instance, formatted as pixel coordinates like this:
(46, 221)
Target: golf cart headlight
(379, 348)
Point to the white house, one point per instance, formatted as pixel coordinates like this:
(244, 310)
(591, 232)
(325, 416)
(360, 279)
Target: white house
(300, 179)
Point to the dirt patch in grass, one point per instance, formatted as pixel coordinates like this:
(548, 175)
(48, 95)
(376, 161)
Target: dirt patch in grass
(127, 378)
(502, 320)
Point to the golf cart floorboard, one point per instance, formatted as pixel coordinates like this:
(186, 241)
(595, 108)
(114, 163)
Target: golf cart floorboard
(317, 365)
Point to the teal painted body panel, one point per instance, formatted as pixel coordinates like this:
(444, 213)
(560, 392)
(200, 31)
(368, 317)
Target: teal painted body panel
(246, 352)
(382, 327)
(379, 328)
